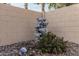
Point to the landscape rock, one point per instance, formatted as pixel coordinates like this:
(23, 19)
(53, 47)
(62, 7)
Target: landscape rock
(13, 49)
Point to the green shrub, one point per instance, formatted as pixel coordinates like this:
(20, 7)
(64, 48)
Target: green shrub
(50, 43)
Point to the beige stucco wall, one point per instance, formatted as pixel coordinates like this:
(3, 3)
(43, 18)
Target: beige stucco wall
(15, 26)
(65, 22)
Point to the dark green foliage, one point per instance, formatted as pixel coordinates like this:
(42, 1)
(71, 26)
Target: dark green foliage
(59, 5)
(50, 43)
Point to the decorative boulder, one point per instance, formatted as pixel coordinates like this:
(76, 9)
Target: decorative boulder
(23, 51)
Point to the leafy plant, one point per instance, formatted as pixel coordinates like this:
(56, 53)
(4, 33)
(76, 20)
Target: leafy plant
(50, 43)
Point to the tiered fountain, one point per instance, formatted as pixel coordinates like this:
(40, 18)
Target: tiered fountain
(41, 27)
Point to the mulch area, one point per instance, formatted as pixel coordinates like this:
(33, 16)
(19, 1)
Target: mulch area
(13, 49)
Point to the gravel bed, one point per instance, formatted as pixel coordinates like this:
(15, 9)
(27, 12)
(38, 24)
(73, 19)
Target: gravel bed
(13, 49)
